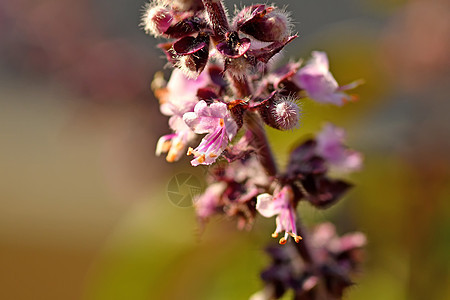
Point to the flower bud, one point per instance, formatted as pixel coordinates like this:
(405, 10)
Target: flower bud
(282, 114)
(267, 24)
(156, 20)
(185, 5)
(287, 114)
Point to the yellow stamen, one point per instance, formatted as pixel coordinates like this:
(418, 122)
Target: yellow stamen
(297, 238)
(353, 98)
(275, 235)
(221, 122)
(212, 155)
(162, 95)
(201, 158)
(282, 241)
(179, 146)
(166, 146)
(171, 157)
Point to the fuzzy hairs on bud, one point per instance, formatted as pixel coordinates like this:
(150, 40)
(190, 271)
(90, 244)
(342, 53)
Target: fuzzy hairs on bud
(286, 113)
(281, 113)
(156, 19)
(264, 23)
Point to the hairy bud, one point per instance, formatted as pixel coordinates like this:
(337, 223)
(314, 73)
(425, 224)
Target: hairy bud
(156, 20)
(267, 24)
(185, 5)
(282, 114)
(286, 113)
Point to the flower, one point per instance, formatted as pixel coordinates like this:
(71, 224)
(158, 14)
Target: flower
(215, 120)
(177, 98)
(208, 203)
(173, 144)
(281, 205)
(248, 171)
(319, 84)
(335, 260)
(180, 94)
(330, 146)
(344, 250)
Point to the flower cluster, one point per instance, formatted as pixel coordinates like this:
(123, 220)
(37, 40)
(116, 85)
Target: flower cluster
(197, 96)
(220, 94)
(332, 260)
(233, 191)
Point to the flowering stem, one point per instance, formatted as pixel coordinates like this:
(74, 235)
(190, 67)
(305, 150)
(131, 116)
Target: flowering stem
(241, 87)
(253, 121)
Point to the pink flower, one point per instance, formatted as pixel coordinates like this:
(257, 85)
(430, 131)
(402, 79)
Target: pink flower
(181, 93)
(319, 84)
(179, 97)
(280, 205)
(208, 203)
(216, 121)
(330, 146)
(326, 243)
(174, 144)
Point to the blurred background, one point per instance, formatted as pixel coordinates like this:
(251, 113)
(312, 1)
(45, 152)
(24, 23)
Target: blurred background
(84, 209)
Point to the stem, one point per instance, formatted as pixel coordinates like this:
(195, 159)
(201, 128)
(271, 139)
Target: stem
(217, 18)
(306, 252)
(241, 87)
(219, 23)
(304, 248)
(260, 142)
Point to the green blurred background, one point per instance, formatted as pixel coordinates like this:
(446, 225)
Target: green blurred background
(84, 210)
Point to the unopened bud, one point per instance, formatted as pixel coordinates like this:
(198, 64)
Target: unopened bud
(267, 24)
(156, 20)
(282, 114)
(287, 114)
(185, 5)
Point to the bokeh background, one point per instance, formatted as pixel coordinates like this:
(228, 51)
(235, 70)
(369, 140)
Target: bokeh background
(84, 211)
